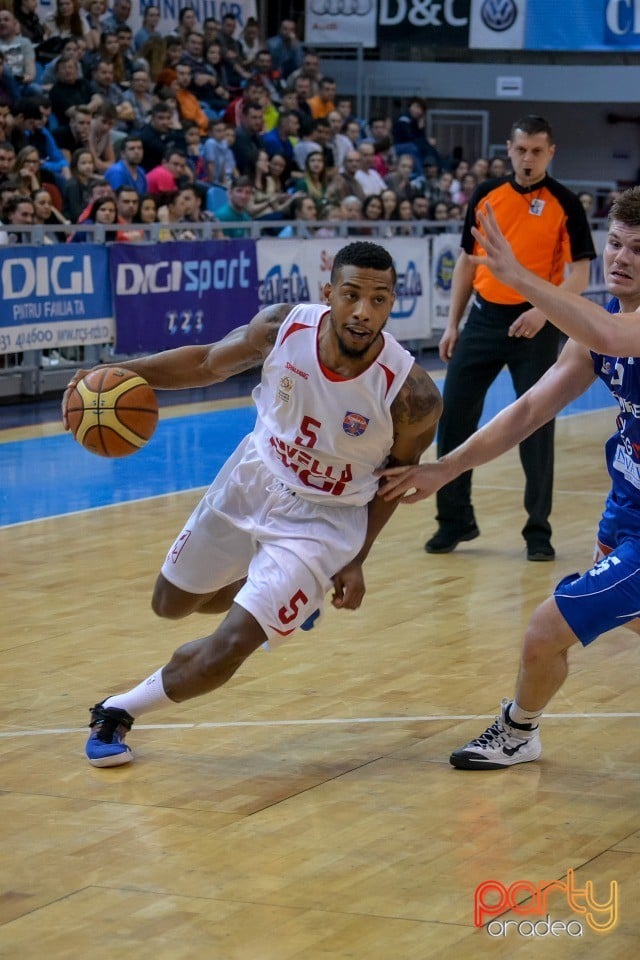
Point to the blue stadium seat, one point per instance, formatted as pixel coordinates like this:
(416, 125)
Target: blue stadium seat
(216, 197)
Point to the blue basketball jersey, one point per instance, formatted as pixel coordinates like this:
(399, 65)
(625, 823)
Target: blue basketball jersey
(608, 595)
(622, 450)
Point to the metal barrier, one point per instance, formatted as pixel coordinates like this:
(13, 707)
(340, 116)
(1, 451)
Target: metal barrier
(38, 371)
(35, 372)
(215, 230)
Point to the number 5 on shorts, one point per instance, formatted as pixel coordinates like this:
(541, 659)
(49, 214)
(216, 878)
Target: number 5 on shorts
(288, 614)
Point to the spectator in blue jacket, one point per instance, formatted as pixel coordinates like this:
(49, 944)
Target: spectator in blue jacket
(410, 134)
(29, 130)
(9, 90)
(285, 49)
(127, 171)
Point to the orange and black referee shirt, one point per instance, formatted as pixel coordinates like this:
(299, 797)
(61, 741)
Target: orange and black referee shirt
(545, 224)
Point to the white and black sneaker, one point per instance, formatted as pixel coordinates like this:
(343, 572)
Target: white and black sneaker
(502, 744)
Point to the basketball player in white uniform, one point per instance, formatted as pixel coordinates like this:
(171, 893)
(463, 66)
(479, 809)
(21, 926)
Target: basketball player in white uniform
(294, 510)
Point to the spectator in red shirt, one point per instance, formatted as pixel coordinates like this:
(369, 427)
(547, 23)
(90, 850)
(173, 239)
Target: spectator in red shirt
(165, 177)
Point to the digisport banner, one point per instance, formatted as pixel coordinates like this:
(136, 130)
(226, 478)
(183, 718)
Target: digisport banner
(292, 271)
(55, 296)
(180, 293)
(435, 23)
(341, 22)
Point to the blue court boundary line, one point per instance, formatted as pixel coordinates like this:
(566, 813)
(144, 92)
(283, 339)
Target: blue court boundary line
(52, 476)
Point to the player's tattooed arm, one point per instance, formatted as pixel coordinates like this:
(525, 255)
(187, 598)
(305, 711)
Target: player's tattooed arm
(415, 413)
(195, 365)
(248, 346)
(264, 327)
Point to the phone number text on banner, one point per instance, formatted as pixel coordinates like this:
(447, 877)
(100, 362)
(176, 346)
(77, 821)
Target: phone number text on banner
(54, 296)
(181, 293)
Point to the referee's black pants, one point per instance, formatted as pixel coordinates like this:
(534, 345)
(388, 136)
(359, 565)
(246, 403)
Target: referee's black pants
(481, 352)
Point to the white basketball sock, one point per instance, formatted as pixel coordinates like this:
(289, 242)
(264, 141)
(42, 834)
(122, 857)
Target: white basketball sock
(524, 717)
(147, 696)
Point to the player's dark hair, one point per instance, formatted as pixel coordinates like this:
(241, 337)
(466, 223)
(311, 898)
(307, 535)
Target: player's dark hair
(626, 209)
(363, 253)
(532, 124)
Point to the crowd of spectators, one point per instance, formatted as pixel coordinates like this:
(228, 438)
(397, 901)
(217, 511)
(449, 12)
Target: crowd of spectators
(206, 122)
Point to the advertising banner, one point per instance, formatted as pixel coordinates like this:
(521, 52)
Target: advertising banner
(497, 24)
(445, 250)
(588, 25)
(341, 21)
(180, 293)
(434, 23)
(411, 315)
(55, 296)
(511, 24)
(292, 271)
(444, 253)
(596, 290)
(170, 10)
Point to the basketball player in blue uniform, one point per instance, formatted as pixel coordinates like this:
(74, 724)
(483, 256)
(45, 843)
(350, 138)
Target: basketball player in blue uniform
(604, 344)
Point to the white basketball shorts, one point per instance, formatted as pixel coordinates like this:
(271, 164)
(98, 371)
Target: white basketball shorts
(249, 524)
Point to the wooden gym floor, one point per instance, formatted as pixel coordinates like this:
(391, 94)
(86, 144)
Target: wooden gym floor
(307, 809)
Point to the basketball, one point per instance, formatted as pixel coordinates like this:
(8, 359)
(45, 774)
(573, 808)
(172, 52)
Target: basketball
(112, 412)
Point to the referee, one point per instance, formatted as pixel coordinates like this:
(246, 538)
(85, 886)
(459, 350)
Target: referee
(548, 230)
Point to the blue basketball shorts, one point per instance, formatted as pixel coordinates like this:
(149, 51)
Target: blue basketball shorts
(606, 596)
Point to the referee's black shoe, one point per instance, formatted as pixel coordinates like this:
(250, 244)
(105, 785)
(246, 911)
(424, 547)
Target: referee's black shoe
(540, 551)
(447, 539)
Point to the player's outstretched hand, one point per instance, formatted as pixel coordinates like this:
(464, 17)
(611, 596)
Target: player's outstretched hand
(75, 379)
(413, 483)
(348, 587)
(499, 256)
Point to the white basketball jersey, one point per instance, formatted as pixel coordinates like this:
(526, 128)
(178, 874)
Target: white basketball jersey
(321, 435)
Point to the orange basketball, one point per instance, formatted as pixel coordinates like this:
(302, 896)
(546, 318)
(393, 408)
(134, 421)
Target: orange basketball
(112, 412)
